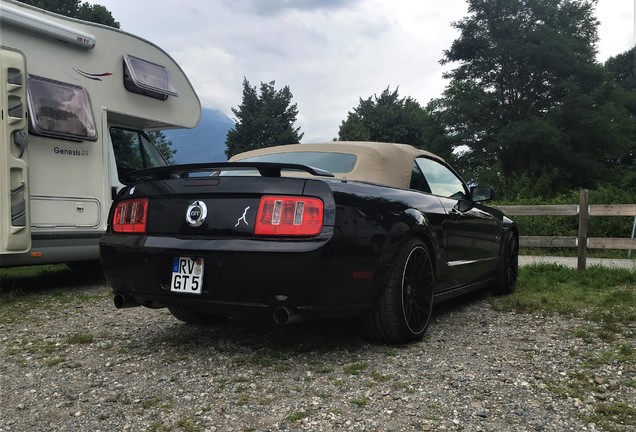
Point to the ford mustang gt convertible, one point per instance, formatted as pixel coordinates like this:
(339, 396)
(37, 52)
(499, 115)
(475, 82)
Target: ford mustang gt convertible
(378, 231)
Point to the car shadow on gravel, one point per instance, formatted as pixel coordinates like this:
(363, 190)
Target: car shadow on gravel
(321, 337)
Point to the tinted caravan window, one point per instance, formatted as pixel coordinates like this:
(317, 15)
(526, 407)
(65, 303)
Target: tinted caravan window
(60, 110)
(147, 78)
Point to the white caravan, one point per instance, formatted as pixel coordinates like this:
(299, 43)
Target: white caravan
(75, 100)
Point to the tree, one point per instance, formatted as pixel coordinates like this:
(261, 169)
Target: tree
(163, 144)
(623, 69)
(263, 120)
(74, 9)
(389, 118)
(527, 95)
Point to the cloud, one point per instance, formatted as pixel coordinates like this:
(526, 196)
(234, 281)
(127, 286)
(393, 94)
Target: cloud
(278, 7)
(330, 53)
(213, 73)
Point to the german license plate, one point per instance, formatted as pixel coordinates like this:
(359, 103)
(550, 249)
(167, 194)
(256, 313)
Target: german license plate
(187, 275)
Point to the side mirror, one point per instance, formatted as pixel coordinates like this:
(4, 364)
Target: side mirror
(482, 193)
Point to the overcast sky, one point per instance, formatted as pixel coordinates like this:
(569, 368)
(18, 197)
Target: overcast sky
(329, 52)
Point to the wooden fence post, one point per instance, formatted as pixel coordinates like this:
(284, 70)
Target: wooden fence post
(584, 211)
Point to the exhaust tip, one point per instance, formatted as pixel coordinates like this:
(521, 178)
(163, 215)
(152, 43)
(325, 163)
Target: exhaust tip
(284, 315)
(121, 301)
(281, 315)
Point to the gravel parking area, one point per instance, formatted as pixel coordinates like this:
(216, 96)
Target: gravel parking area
(72, 362)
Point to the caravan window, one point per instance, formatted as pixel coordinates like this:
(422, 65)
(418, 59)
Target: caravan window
(147, 78)
(133, 151)
(60, 110)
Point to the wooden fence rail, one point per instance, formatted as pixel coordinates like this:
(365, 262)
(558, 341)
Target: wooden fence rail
(583, 210)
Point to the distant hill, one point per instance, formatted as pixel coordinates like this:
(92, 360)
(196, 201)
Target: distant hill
(204, 143)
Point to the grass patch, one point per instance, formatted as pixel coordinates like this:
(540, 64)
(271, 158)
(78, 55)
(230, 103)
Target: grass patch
(377, 376)
(355, 368)
(599, 294)
(360, 403)
(150, 403)
(158, 426)
(80, 338)
(33, 278)
(297, 416)
(30, 293)
(43, 271)
(610, 415)
(606, 298)
(188, 424)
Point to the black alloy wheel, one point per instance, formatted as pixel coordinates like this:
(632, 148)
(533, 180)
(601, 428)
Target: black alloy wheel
(509, 265)
(405, 306)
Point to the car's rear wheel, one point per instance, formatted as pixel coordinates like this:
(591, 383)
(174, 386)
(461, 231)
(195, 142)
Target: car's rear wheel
(406, 303)
(508, 266)
(195, 316)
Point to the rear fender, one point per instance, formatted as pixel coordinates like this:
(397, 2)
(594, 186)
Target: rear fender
(409, 224)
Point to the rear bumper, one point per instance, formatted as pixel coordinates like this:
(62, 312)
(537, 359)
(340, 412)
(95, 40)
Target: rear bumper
(241, 277)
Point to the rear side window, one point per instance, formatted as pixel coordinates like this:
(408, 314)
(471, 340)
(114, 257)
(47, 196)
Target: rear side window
(60, 110)
(332, 162)
(418, 182)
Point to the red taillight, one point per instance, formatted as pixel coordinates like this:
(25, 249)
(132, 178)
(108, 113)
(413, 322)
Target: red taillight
(130, 216)
(289, 216)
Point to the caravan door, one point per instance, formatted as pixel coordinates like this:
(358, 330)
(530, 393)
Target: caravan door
(15, 230)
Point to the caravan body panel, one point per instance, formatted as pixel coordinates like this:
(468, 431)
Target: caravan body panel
(68, 177)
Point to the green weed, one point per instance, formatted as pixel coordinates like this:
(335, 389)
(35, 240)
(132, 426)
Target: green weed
(355, 368)
(80, 338)
(297, 416)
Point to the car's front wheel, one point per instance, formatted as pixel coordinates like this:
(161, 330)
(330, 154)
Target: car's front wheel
(405, 306)
(195, 316)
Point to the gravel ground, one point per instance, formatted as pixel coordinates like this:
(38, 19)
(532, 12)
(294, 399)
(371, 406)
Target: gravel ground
(82, 365)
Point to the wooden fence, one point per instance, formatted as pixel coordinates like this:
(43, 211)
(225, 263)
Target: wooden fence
(584, 211)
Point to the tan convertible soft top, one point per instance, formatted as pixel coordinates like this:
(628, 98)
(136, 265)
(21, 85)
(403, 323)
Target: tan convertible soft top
(387, 164)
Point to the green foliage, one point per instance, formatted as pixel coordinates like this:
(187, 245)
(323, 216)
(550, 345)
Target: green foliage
(389, 118)
(74, 9)
(163, 144)
(96, 13)
(622, 69)
(263, 120)
(527, 95)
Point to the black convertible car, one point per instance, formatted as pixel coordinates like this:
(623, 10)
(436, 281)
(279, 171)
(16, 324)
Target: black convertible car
(345, 229)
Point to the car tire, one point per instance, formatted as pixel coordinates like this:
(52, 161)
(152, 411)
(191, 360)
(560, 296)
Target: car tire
(508, 265)
(194, 316)
(405, 305)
